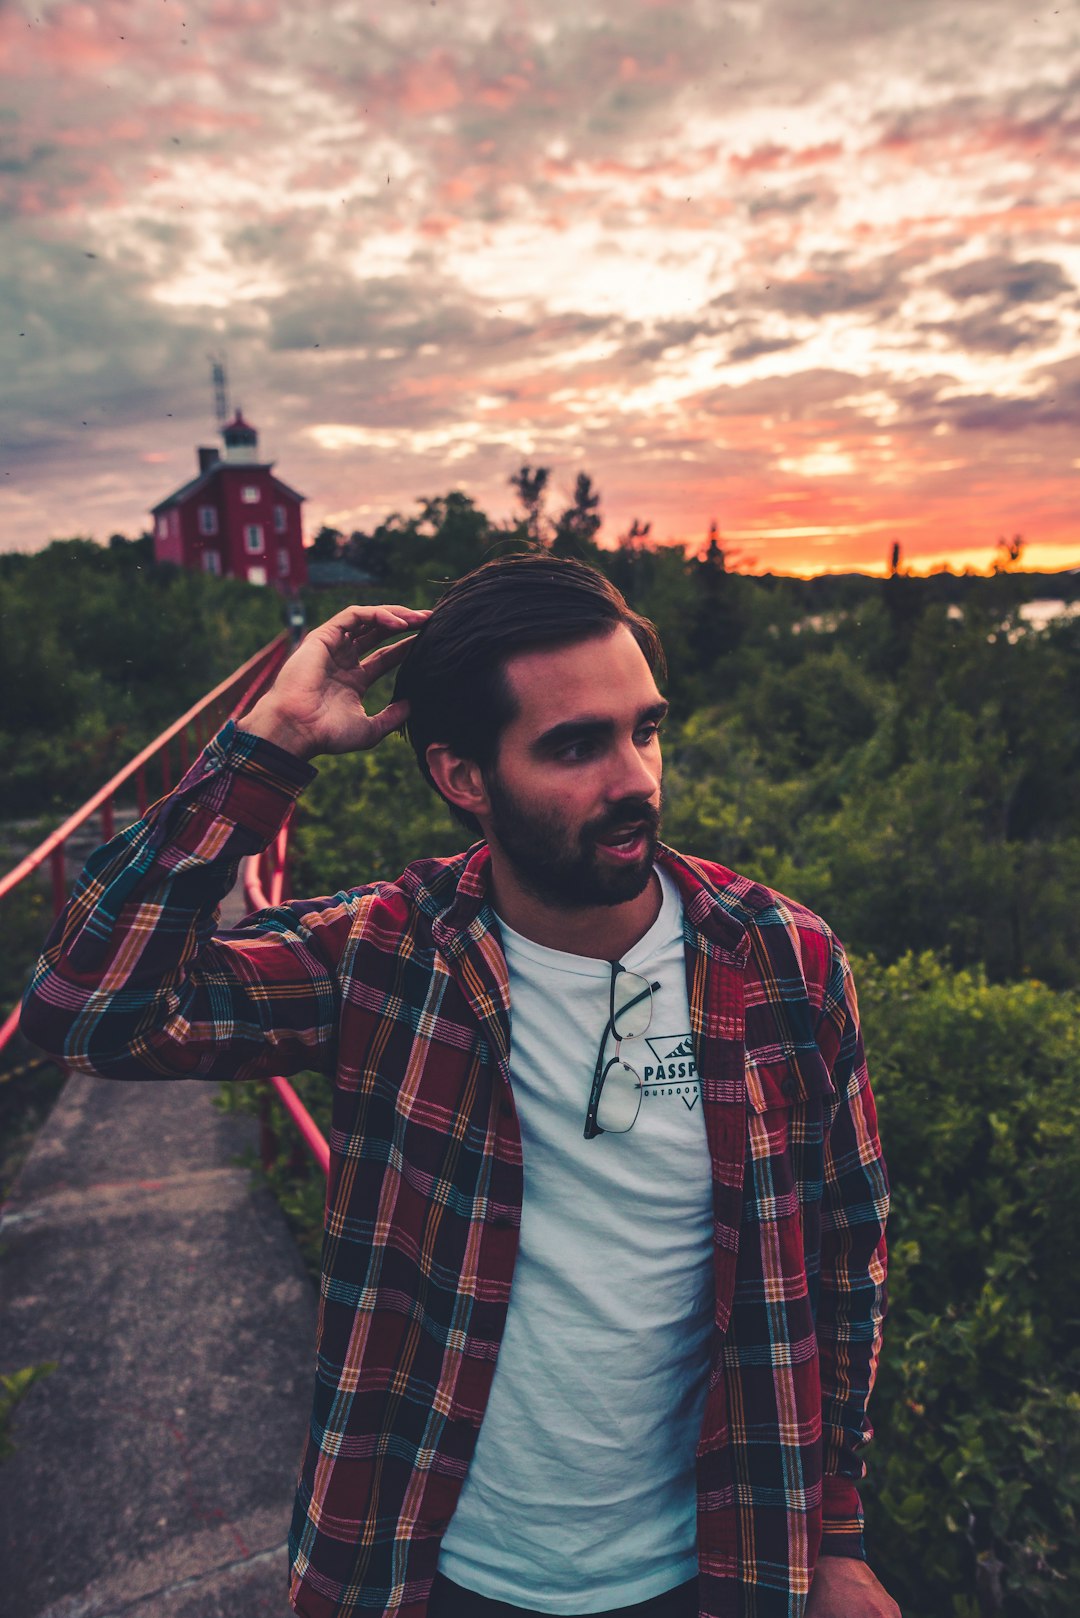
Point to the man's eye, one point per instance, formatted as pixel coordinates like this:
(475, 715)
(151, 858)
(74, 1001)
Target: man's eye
(647, 733)
(576, 752)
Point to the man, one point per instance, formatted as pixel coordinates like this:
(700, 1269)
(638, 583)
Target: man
(603, 1269)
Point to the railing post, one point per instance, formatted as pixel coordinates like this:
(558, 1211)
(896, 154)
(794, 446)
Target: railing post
(140, 789)
(280, 847)
(166, 770)
(184, 752)
(108, 825)
(59, 879)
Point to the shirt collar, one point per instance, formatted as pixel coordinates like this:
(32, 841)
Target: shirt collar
(716, 902)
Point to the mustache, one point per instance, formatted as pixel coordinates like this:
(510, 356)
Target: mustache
(628, 812)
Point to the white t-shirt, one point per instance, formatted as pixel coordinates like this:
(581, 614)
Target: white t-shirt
(581, 1493)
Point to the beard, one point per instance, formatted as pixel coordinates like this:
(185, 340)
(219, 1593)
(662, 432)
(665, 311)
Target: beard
(559, 865)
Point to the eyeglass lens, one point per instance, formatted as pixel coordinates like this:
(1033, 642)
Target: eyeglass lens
(620, 1094)
(631, 1005)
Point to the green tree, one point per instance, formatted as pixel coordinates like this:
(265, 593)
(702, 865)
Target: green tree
(576, 528)
(327, 545)
(973, 1497)
(531, 485)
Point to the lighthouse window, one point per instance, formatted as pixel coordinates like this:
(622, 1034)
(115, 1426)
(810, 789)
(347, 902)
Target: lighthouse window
(163, 525)
(283, 561)
(207, 520)
(279, 519)
(253, 538)
(249, 494)
(256, 575)
(211, 562)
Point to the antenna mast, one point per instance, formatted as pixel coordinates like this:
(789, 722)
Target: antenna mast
(217, 372)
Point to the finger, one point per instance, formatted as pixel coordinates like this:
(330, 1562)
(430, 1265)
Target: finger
(348, 636)
(387, 657)
(367, 620)
(391, 717)
(365, 636)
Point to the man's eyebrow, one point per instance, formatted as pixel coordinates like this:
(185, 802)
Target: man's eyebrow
(587, 728)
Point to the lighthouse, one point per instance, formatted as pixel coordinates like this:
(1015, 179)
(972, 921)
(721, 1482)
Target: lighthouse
(236, 518)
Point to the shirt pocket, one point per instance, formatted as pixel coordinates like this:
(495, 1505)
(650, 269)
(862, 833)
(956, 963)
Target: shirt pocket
(790, 1099)
(780, 1081)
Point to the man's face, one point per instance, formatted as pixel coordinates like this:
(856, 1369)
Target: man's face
(574, 793)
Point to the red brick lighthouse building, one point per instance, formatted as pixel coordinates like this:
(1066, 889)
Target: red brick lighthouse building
(235, 518)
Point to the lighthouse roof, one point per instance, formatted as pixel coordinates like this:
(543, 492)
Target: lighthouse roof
(239, 431)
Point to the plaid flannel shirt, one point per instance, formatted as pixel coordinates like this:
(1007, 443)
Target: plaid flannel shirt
(399, 991)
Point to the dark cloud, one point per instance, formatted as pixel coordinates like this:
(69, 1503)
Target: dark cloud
(832, 286)
(987, 333)
(787, 202)
(1057, 405)
(1006, 280)
(751, 348)
(81, 338)
(662, 338)
(406, 313)
(987, 414)
(775, 396)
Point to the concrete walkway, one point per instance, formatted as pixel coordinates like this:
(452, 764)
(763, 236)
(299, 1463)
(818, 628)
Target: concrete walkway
(154, 1468)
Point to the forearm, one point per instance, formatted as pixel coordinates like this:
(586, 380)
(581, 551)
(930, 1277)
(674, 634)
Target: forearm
(133, 982)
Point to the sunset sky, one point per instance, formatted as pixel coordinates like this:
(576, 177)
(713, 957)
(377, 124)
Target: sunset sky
(805, 267)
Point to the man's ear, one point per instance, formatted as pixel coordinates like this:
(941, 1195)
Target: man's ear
(460, 780)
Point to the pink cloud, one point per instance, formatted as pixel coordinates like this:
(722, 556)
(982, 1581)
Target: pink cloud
(438, 225)
(763, 158)
(429, 85)
(502, 94)
(34, 198)
(83, 39)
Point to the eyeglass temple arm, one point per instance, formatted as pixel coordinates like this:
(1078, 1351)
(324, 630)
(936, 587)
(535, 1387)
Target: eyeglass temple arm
(650, 989)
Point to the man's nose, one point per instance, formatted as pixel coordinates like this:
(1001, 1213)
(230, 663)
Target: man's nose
(633, 775)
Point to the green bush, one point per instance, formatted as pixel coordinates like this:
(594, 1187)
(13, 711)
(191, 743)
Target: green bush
(973, 1496)
(98, 653)
(364, 817)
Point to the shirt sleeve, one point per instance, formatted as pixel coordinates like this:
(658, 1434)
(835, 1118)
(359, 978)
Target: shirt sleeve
(136, 982)
(852, 1299)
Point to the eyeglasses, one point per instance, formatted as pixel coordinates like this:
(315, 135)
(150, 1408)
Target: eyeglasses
(615, 1098)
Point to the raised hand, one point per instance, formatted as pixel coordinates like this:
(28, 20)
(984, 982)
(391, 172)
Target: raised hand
(316, 704)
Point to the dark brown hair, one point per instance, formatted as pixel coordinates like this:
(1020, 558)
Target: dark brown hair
(453, 674)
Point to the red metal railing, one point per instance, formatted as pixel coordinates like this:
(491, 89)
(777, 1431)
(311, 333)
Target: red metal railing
(266, 879)
(227, 700)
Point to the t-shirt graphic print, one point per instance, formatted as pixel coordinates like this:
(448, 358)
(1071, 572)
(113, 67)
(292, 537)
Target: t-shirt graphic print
(672, 1070)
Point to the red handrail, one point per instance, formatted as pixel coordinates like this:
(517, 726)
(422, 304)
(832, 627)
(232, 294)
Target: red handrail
(276, 859)
(251, 676)
(310, 1133)
(261, 668)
